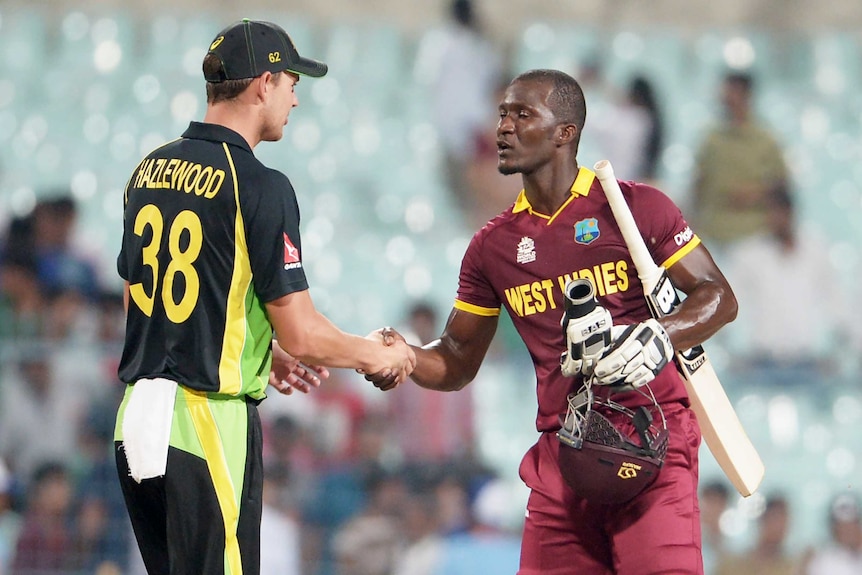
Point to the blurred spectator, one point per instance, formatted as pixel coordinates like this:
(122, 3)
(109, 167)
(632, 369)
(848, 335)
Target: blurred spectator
(630, 132)
(279, 532)
(843, 555)
(454, 514)
(61, 267)
(10, 519)
(339, 411)
(103, 530)
(21, 297)
(737, 164)
(430, 426)
(487, 192)
(488, 545)
(48, 288)
(22, 303)
(768, 556)
(370, 542)
(423, 541)
(70, 317)
(642, 96)
(288, 453)
(792, 308)
(341, 490)
(112, 319)
(38, 413)
(465, 68)
(422, 323)
(714, 496)
(46, 543)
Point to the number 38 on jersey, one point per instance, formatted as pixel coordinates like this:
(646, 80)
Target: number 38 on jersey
(178, 284)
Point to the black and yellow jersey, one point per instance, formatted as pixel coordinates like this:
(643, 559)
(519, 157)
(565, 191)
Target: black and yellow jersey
(210, 234)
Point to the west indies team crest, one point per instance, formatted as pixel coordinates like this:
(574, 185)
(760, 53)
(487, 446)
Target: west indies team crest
(587, 231)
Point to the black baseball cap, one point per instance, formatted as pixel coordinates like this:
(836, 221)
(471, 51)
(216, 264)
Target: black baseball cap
(249, 48)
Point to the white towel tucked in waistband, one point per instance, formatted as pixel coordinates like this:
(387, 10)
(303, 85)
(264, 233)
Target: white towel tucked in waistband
(147, 427)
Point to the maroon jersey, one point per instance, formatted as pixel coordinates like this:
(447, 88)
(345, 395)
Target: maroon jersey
(522, 260)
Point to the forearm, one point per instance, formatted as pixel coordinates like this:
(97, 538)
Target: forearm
(439, 368)
(312, 338)
(320, 342)
(705, 311)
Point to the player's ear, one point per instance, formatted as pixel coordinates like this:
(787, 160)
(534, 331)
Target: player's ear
(566, 134)
(263, 84)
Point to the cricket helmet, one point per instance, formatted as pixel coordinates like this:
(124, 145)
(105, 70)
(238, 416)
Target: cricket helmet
(605, 462)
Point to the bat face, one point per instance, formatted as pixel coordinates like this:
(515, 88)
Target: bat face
(662, 300)
(719, 423)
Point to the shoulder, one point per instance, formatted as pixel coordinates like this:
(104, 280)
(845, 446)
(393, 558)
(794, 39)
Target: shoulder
(254, 177)
(646, 197)
(498, 224)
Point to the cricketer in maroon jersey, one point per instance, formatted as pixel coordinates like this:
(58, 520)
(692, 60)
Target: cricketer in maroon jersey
(522, 260)
(560, 226)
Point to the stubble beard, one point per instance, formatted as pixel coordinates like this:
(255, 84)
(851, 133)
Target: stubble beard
(507, 170)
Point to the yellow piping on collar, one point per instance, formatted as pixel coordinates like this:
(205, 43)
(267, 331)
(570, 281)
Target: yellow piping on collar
(581, 187)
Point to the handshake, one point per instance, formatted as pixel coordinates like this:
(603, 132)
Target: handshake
(396, 362)
(399, 359)
(625, 357)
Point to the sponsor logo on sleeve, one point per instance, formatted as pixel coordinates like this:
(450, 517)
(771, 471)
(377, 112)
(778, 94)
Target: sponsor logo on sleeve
(684, 236)
(291, 255)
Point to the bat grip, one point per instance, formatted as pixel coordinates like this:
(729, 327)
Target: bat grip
(580, 298)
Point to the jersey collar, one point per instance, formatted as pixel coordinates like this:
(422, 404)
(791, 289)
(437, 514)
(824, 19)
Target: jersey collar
(215, 133)
(581, 187)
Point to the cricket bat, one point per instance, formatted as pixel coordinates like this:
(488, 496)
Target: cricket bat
(720, 426)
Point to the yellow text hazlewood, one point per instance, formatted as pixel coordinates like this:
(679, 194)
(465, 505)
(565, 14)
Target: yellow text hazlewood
(179, 175)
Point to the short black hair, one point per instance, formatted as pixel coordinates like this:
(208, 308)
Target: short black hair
(48, 470)
(742, 79)
(422, 308)
(780, 196)
(462, 12)
(567, 97)
(776, 501)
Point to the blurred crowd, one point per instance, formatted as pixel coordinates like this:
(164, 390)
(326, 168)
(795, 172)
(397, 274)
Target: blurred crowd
(356, 483)
(363, 485)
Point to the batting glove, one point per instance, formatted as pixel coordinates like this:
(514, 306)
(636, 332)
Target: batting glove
(587, 328)
(638, 354)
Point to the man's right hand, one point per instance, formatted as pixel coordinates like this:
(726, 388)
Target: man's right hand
(386, 379)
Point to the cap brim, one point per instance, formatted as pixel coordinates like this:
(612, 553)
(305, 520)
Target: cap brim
(309, 67)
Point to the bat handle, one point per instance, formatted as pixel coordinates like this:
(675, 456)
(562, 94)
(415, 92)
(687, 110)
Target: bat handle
(604, 170)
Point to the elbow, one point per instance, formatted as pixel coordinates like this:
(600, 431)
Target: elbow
(731, 308)
(459, 384)
(299, 345)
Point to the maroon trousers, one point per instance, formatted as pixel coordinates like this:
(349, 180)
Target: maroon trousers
(656, 532)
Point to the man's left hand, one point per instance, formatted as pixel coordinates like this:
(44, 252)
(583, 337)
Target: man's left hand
(289, 374)
(639, 352)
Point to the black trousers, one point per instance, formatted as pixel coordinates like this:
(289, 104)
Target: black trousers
(178, 520)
